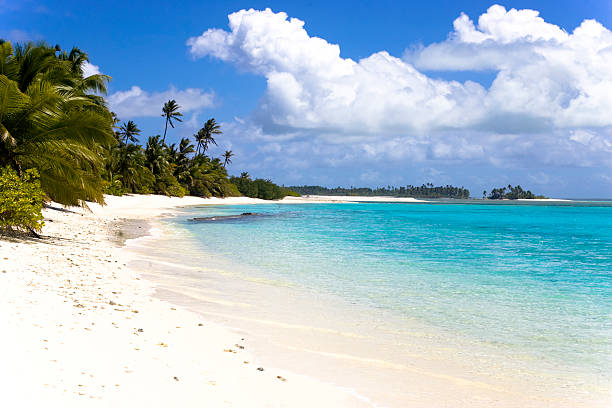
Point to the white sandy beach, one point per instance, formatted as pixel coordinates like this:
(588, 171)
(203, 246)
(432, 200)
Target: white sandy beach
(81, 329)
(349, 199)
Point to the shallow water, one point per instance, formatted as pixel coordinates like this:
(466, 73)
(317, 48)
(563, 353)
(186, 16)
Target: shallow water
(504, 295)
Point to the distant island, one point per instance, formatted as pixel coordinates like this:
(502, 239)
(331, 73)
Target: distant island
(424, 191)
(511, 193)
(427, 190)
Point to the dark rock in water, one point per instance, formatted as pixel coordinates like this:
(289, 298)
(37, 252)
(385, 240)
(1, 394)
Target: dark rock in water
(225, 217)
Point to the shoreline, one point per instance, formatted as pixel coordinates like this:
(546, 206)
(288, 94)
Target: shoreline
(81, 328)
(90, 328)
(327, 337)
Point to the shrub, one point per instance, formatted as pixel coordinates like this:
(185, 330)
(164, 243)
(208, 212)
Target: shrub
(113, 186)
(176, 190)
(260, 188)
(21, 201)
(168, 185)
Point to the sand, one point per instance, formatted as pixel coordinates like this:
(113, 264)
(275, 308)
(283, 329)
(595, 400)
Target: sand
(79, 328)
(349, 199)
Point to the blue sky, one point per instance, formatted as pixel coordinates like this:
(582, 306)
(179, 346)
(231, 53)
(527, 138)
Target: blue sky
(276, 108)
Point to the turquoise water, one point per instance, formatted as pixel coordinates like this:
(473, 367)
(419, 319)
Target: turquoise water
(531, 279)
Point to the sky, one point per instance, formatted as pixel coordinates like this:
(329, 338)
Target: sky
(373, 93)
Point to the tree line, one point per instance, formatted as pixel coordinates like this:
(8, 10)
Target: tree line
(175, 170)
(510, 193)
(260, 188)
(424, 191)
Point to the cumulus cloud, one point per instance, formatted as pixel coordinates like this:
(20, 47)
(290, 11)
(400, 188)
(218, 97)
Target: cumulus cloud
(549, 104)
(137, 102)
(547, 78)
(311, 87)
(564, 77)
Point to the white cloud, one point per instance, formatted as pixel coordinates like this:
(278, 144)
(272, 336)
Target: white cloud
(137, 102)
(502, 26)
(562, 80)
(90, 69)
(311, 87)
(550, 86)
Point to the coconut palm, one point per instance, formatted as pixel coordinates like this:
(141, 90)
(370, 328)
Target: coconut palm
(205, 136)
(227, 157)
(128, 132)
(171, 112)
(156, 155)
(128, 162)
(48, 121)
(182, 162)
(185, 148)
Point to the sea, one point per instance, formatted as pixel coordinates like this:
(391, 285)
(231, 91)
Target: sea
(440, 303)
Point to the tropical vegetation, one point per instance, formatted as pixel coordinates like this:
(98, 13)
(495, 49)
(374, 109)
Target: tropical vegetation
(21, 201)
(260, 188)
(424, 191)
(57, 131)
(510, 193)
(53, 119)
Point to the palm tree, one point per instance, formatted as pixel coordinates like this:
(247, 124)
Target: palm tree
(185, 148)
(128, 162)
(205, 136)
(171, 112)
(156, 155)
(227, 157)
(209, 177)
(182, 162)
(128, 132)
(50, 120)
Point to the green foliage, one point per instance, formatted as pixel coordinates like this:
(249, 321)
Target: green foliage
(209, 178)
(113, 186)
(55, 120)
(51, 120)
(260, 188)
(21, 201)
(168, 170)
(227, 157)
(206, 136)
(290, 193)
(170, 112)
(511, 193)
(128, 132)
(424, 191)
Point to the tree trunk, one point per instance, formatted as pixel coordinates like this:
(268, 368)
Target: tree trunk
(165, 130)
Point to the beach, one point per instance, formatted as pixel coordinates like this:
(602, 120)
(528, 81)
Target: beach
(79, 328)
(116, 305)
